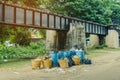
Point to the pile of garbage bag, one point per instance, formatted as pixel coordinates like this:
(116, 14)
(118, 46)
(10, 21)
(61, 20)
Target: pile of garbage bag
(72, 57)
(63, 59)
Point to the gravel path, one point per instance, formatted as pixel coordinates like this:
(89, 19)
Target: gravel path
(106, 67)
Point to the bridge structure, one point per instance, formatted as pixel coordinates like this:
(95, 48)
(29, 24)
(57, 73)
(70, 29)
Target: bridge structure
(16, 15)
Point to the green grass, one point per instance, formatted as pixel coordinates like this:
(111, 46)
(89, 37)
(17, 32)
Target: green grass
(99, 52)
(26, 62)
(15, 64)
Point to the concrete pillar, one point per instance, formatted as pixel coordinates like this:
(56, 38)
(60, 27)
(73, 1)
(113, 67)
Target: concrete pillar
(51, 40)
(94, 40)
(59, 40)
(76, 36)
(112, 39)
(62, 35)
(55, 40)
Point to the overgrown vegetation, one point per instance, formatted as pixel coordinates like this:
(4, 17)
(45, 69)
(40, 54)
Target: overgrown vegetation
(97, 47)
(99, 52)
(16, 35)
(31, 51)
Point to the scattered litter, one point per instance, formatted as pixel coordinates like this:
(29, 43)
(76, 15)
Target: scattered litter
(48, 70)
(16, 72)
(86, 70)
(57, 70)
(61, 71)
(5, 60)
(72, 70)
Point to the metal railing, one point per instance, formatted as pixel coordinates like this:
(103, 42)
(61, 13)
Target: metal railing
(15, 15)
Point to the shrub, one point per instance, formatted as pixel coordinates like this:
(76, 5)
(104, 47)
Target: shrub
(35, 49)
(101, 46)
(97, 47)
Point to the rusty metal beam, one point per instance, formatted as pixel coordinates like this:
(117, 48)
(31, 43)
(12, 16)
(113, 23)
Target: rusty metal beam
(29, 26)
(48, 20)
(40, 18)
(14, 14)
(24, 16)
(54, 21)
(60, 23)
(33, 17)
(3, 12)
(100, 27)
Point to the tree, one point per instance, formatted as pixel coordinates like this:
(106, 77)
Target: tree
(101, 11)
(93, 10)
(20, 36)
(4, 33)
(115, 16)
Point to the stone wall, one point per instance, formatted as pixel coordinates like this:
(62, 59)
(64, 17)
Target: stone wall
(112, 39)
(51, 40)
(76, 36)
(94, 40)
(55, 40)
(60, 40)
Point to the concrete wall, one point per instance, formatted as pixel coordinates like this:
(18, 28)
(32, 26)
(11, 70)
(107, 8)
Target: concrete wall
(55, 40)
(94, 40)
(51, 40)
(112, 39)
(76, 36)
(59, 40)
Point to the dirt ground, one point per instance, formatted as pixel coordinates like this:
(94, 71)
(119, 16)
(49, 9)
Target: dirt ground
(105, 67)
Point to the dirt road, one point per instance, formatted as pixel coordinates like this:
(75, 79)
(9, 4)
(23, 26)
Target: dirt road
(105, 67)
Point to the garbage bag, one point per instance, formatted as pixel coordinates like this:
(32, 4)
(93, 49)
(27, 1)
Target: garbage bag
(87, 61)
(72, 53)
(60, 55)
(67, 54)
(54, 57)
(70, 61)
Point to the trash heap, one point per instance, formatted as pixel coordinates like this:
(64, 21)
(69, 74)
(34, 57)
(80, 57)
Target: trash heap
(63, 59)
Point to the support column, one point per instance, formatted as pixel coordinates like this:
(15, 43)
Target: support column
(55, 40)
(76, 36)
(51, 40)
(62, 35)
(112, 39)
(94, 40)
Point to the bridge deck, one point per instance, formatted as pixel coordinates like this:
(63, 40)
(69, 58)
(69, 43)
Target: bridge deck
(12, 14)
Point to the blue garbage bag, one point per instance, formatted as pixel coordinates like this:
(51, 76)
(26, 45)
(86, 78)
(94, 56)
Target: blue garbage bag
(72, 53)
(70, 61)
(67, 54)
(87, 61)
(54, 57)
(80, 53)
(60, 55)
